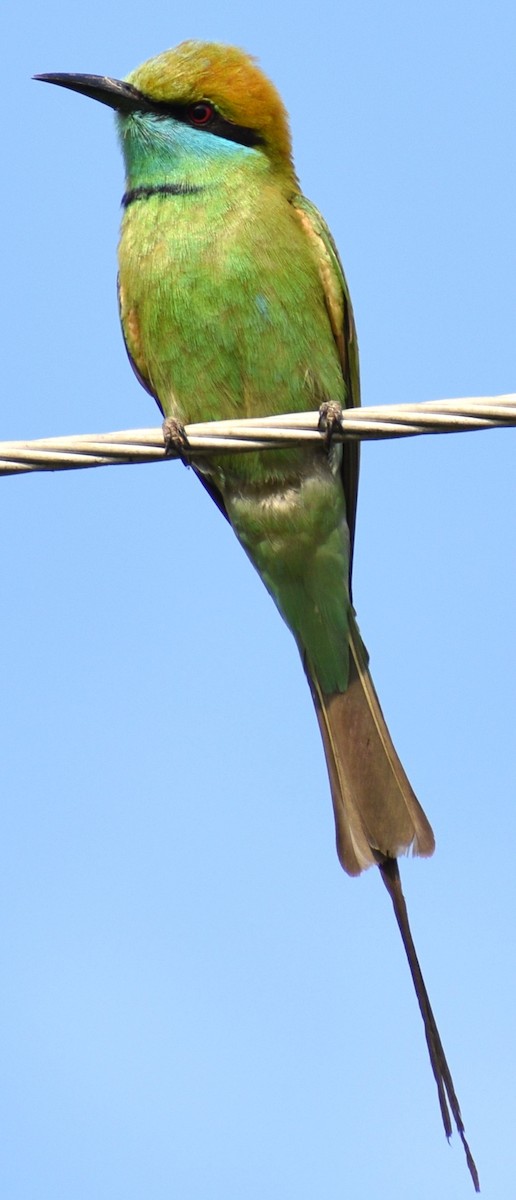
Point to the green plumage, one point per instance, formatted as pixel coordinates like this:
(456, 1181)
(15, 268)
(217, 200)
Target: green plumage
(224, 320)
(233, 304)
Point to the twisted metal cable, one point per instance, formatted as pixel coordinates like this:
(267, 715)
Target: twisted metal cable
(365, 424)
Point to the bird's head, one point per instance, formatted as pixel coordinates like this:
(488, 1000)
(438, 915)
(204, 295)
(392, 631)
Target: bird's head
(217, 91)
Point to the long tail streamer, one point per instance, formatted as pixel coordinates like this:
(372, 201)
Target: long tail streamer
(445, 1089)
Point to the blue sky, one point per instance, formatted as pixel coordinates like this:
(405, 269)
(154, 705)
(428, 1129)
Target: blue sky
(197, 1002)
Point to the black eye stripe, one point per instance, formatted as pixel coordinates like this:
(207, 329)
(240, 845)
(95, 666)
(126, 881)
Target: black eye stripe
(216, 124)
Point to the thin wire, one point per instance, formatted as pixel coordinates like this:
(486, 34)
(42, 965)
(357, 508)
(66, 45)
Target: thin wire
(364, 424)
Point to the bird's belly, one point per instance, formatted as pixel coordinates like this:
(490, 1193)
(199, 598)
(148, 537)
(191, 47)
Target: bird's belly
(297, 538)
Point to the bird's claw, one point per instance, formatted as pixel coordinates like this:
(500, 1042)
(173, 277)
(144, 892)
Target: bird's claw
(330, 421)
(176, 441)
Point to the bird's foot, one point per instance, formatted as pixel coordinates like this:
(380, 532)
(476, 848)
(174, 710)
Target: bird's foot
(176, 441)
(330, 421)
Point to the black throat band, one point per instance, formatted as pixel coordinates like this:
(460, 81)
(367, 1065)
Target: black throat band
(160, 189)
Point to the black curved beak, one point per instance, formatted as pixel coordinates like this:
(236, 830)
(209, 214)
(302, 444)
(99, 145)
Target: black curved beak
(114, 92)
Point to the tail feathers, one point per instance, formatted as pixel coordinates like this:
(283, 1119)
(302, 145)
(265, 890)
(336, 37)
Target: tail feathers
(377, 815)
(445, 1088)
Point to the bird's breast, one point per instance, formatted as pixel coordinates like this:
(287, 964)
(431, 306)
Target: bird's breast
(222, 306)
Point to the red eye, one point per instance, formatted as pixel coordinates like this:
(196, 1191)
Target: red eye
(201, 113)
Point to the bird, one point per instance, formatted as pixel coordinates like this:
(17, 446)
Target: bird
(233, 303)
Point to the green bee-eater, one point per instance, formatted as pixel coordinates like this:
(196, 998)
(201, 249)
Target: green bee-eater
(233, 303)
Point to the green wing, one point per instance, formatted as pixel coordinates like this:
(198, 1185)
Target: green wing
(342, 322)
